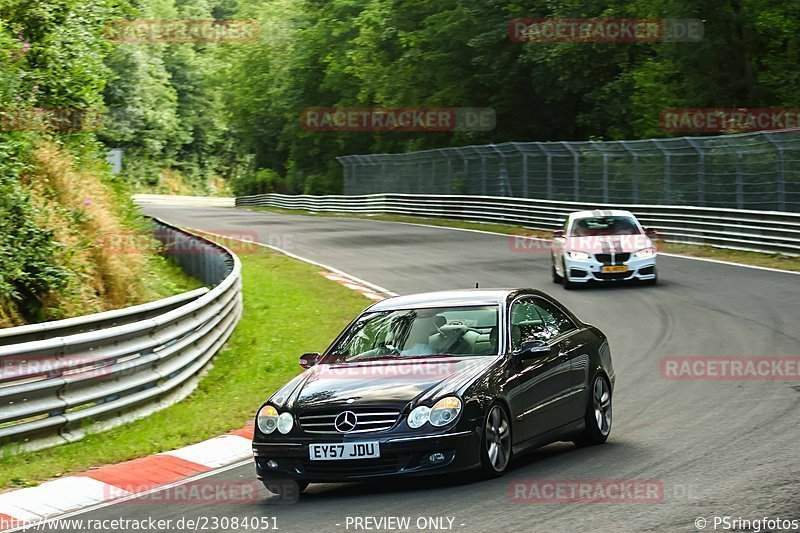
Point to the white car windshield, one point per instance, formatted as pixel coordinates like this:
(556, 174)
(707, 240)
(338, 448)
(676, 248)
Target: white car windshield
(442, 331)
(605, 225)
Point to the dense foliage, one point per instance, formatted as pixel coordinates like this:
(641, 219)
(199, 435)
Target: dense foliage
(208, 116)
(457, 53)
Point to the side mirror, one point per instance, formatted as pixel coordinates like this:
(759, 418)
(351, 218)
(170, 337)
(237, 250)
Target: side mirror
(650, 232)
(307, 360)
(531, 348)
(558, 233)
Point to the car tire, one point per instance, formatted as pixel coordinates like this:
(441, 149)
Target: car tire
(653, 281)
(493, 464)
(556, 277)
(285, 487)
(568, 285)
(598, 417)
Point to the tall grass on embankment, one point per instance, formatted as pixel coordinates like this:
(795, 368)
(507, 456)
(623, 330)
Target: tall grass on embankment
(71, 242)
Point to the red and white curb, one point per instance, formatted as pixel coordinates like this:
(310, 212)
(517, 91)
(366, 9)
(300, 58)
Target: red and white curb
(108, 483)
(347, 282)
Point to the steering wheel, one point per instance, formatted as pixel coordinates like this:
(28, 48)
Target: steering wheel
(389, 349)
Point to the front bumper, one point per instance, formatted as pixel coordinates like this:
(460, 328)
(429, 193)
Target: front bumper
(591, 270)
(400, 455)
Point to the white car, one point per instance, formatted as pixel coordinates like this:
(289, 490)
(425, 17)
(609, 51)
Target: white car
(603, 246)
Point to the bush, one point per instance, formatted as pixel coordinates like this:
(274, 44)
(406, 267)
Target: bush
(263, 181)
(29, 267)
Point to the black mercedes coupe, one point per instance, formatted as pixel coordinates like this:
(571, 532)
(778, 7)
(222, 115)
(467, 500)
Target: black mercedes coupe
(438, 382)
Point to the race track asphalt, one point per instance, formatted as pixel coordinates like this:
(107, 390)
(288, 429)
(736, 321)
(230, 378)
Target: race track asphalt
(718, 448)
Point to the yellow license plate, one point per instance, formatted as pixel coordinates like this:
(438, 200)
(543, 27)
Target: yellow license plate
(615, 268)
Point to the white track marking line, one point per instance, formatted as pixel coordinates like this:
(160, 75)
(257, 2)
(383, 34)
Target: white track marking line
(350, 277)
(730, 263)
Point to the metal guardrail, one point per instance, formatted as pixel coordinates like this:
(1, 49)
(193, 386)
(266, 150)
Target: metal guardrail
(62, 379)
(761, 231)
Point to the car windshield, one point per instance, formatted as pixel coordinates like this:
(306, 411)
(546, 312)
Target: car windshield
(610, 225)
(428, 332)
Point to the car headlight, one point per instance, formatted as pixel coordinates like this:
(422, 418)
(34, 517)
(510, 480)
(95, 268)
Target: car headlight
(285, 423)
(419, 417)
(445, 411)
(645, 253)
(267, 419)
(578, 256)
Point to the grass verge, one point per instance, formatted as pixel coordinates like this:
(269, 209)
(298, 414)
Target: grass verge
(287, 311)
(779, 261)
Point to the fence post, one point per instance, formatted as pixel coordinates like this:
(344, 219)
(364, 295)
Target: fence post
(739, 181)
(667, 173)
(701, 171)
(524, 177)
(780, 183)
(483, 172)
(465, 169)
(505, 184)
(576, 182)
(346, 178)
(418, 187)
(634, 172)
(525, 193)
(449, 175)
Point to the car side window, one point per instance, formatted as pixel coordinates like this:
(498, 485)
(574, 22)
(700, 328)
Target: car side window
(535, 318)
(527, 322)
(554, 318)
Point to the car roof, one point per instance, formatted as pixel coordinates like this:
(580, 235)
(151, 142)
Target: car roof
(601, 213)
(453, 298)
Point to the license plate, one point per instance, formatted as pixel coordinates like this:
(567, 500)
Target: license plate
(344, 451)
(615, 268)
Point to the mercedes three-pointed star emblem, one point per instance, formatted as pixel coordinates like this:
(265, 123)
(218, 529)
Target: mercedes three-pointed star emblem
(346, 422)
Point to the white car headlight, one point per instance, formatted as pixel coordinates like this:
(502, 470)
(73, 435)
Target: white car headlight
(285, 423)
(578, 256)
(645, 253)
(267, 419)
(419, 417)
(445, 411)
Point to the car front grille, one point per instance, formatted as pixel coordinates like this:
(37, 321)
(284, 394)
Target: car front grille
(367, 420)
(618, 258)
(613, 275)
(356, 467)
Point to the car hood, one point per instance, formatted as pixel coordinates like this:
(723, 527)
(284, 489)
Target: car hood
(606, 244)
(380, 383)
